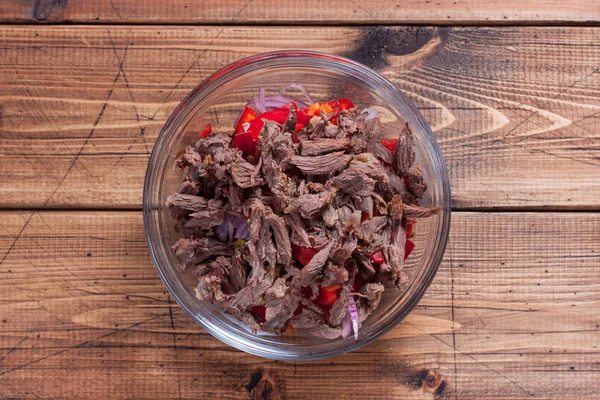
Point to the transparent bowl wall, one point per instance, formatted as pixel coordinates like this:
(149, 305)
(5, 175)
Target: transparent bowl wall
(218, 100)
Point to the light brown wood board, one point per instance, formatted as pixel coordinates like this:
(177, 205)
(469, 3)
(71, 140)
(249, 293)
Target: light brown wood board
(512, 313)
(332, 12)
(515, 109)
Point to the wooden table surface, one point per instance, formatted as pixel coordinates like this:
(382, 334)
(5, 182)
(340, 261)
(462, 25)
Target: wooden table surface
(512, 91)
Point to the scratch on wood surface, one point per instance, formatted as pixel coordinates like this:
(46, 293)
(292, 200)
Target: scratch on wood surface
(102, 109)
(241, 10)
(569, 87)
(12, 245)
(115, 9)
(13, 348)
(77, 346)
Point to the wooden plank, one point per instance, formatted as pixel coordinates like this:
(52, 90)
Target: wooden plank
(84, 315)
(442, 12)
(515, 110)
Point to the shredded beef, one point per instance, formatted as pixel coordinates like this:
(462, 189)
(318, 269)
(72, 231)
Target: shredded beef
(404, 156)
(322, 165)
(267, 232)
(322, 146)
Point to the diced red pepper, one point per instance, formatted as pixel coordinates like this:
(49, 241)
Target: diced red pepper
(408, 248)
(345, 104)
(377, 257)
(405, 179)
(245, 143)
(299, 126)
(279, 115)
(328, 295)
(302, 116)
(207, 130)
(248, 115)
(389, 144)
(303, 254)
(260, 312)
(335, 105)
(410, 226)
(364, 216)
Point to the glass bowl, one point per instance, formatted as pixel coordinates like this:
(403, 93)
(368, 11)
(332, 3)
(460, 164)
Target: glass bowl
(218, 100)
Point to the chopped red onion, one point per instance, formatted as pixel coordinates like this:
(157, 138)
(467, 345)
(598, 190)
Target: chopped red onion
(234, 227)
(371, 113)
(346, 326)
(353, 315)
(301, 88)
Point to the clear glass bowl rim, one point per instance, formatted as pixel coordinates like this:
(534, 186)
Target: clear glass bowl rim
(299, 58)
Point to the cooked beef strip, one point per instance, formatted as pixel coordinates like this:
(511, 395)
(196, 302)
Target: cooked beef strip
(190, 158)
(371, 227)
(238, 275)
(340, 307)
(354, 183)
(307, 319)
(322, 165)
(210, 288)
(280, 303)
(322, 146)
(191, 252)
(416, 183)
(326, 332)
(180, 205)
(334, 275)
(404, 156)
(189, 187)
(298, 234)
(368, 165)
(414, 211)
(308, 205)
(246, 175)
(311, 270)
(282, 187)
(213, 215)
(395, 251)
(365, 204)
(342, 252)
(372, 292)
(282, 238)
(213, 143)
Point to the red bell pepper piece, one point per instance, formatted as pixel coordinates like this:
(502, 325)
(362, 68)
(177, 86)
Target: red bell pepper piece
(377, 257)
(207, 130)
(245, 143)
(302, 116)
(303, 254)
(410, 226)
(260, 312)
(389, 144)
(328, 295)
(345, 104)
(408, 248)
(279, 115)
(248, 115)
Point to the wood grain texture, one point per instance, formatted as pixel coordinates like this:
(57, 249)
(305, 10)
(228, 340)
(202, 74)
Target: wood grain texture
(516, 110)
(84, 315)
(443, 12)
